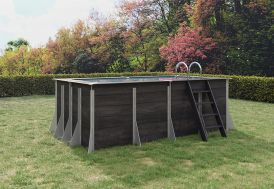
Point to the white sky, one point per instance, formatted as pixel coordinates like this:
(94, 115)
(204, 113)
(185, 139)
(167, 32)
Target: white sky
(37, 20)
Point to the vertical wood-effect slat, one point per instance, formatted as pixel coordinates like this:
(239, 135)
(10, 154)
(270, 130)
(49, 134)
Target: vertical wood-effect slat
(60, 125)
(170, 128)
(92, 118)
(54, 120)
(135, 134)
(68, 131)
(76, 137)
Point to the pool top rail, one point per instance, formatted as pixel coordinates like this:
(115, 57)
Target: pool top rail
(135, 79)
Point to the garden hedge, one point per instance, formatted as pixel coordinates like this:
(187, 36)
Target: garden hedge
(242, 87)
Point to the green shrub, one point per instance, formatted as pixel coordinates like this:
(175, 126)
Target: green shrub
(252, 88)
(242, 87)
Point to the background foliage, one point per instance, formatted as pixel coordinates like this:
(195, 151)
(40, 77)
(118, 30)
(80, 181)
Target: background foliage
(228, 37)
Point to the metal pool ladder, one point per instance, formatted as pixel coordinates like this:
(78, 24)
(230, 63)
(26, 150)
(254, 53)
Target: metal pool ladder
(204, 127)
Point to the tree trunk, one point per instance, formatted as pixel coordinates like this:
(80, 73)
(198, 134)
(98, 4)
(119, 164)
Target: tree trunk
(163, 13)
(218, 15)
(237, 6)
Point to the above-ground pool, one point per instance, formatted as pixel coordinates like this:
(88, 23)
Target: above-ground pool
(103, 112)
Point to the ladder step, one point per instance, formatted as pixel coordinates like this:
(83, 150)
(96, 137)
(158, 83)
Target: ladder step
(211, 114)
(213, 126)
(201, 91)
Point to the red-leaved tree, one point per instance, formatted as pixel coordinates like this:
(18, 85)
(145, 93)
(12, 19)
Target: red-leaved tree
(188, 45)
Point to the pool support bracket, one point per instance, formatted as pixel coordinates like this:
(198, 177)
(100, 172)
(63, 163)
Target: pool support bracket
(59, 132)
(170, 128)
(136, 137)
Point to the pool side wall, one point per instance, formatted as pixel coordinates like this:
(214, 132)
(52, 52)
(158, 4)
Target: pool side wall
(113, 110)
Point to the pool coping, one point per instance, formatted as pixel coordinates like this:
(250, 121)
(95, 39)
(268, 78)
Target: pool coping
(179, 78)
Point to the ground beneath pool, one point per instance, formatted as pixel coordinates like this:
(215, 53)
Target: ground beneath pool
(31, 157)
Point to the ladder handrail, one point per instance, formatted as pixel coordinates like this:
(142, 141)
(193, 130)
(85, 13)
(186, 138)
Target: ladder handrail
(180, 64)
(222, 129)
(198, 64)
(188, 68)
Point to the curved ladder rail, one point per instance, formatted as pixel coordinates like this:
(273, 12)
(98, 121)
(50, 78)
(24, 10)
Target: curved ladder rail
(180, 64)
(198, 64)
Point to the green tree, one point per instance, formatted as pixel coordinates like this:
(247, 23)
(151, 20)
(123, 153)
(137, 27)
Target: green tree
(16, 44)
(85, 64)
(251, 37)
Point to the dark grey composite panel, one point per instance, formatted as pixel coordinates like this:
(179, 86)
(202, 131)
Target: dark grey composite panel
(103, 115)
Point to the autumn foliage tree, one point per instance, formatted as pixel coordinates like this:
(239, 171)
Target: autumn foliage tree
(226, 36)
(68, 42)
(107, 45)
(188, 45)
(25, 60)
(137, 17)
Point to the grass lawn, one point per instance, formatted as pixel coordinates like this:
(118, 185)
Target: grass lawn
(30, 157)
